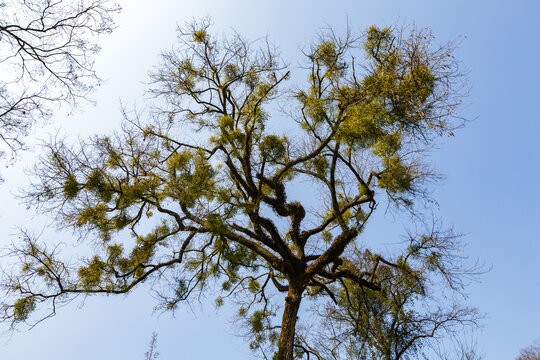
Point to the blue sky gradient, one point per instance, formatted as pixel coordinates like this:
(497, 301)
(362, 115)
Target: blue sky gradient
(491, 192)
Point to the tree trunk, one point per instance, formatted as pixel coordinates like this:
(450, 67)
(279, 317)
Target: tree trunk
(288, 324)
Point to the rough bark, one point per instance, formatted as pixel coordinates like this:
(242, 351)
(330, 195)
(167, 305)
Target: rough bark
(288, 324)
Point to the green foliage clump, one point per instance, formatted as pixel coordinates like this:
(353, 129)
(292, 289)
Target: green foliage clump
(319, 166)
(363, 125)
(22, 308)
(396, 177)
(91, 275)
(71, 187)
(387, 146)
(95, 217)
(257, 319)
(96, 183)
(379, 41)
(231, 72)
(191, 178)
(114, 252)
(200, 36)
(273, 148)
(215, 224)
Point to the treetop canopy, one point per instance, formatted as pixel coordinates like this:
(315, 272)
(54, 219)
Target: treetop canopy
(215, 182)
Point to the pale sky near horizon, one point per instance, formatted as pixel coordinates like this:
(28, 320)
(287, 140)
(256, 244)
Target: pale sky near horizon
(491, 192)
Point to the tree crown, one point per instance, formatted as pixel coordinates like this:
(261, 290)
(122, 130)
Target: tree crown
(216, 180)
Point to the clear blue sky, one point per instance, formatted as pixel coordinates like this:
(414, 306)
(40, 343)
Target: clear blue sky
(491, 193)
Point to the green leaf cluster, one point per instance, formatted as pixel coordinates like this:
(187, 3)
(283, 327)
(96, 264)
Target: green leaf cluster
(22, 308)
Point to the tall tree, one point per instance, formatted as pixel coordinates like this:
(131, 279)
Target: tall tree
(219, 183)
(531, 352)
(46, 50)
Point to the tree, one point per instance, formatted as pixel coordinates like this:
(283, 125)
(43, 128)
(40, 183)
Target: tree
(46, 50)
(152, 353)
(390, 323)
(531, 352)
(462, 347)
(207, 171)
